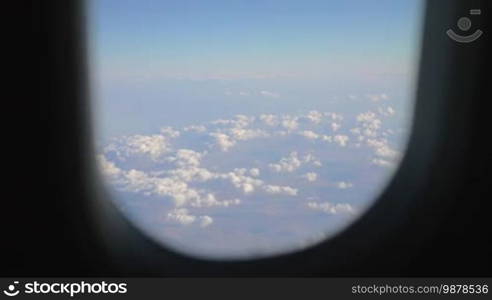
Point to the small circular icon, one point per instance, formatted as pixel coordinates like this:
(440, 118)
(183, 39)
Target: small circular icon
(464, 23)
(11, 290)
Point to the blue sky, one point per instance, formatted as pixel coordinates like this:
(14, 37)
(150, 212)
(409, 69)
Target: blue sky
(253, 38)
(299, 110)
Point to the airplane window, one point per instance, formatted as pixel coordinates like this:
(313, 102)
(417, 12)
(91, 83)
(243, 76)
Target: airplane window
(243, 129)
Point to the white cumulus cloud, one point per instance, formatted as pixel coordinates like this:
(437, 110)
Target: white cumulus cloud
(341, 140)
(309, 134)
(332, 209)
(310, 176)
(206, 221)
(290, 123)
(269, 119)
(287, 164)
(344, 185)
(223, 140)
(195, 128)
(181, 216)
(284, 190)
(170, 132)
(255, 172)
(155, 146)
(315, 116)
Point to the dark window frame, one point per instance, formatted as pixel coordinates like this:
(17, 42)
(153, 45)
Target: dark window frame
(386, 241)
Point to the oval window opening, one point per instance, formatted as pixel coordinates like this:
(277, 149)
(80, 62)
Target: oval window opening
(245, 129)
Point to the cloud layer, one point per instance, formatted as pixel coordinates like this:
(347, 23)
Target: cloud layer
(270, 165)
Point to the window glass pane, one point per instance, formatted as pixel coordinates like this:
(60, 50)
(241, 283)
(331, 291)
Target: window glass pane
(234, 129)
